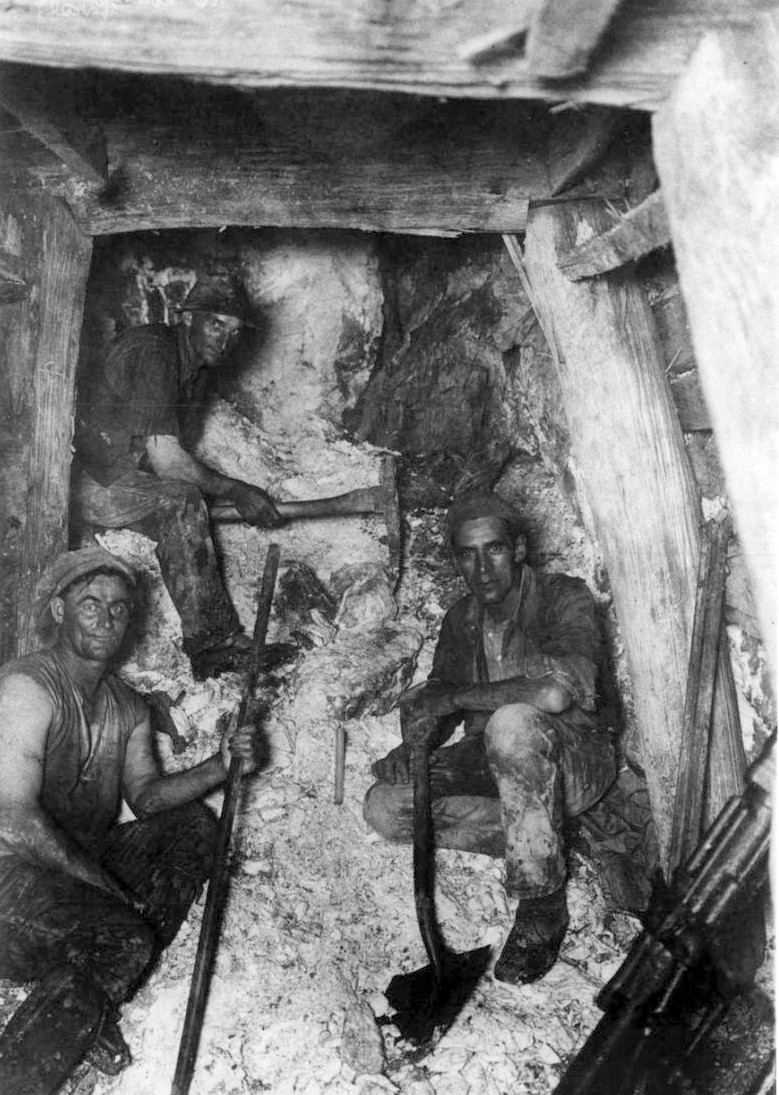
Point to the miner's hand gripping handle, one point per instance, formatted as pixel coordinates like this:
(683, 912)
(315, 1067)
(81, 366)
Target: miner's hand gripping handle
(209, 930)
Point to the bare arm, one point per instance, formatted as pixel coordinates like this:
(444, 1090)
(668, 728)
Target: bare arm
(147, 790)
(169, 460)
(25, 827)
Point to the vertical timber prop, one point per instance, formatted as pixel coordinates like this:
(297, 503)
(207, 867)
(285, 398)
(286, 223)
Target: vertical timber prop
(39, 338)
(629, 458)
(716, 146)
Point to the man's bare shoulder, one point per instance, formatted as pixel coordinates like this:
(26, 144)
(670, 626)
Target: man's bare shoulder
(22, 694)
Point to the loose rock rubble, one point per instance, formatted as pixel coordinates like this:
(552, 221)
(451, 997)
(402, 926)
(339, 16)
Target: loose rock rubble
(320, 911)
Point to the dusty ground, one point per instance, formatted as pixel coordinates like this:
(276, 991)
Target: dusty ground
(320, 912)
(321, 915)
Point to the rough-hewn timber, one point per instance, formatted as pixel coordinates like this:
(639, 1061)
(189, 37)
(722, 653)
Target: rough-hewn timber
(39, 338)
(632, 468)
(186, 156)
(642, 229)
(564, 35)
(56, 126)
(417, 47)
(717, 152)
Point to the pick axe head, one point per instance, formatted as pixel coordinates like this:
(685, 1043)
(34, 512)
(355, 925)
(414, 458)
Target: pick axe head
(388, 481)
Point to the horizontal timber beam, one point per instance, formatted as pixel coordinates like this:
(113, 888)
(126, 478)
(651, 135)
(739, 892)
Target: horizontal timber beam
(415, 47)
(209, 157)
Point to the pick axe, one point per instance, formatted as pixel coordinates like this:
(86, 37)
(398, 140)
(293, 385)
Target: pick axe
(381, 499)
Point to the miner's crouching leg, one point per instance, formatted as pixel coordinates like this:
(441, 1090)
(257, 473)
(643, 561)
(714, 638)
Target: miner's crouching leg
(87, 951)
(164, 860)
(465, 807)
(543, 770)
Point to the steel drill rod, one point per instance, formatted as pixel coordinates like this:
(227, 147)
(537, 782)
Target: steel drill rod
(212, 914)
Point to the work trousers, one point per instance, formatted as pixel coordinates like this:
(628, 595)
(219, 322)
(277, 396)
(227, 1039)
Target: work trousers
(173, 514)
(49, 919)
(507, 793)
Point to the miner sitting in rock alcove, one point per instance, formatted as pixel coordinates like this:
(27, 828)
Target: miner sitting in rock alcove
(518, 661)
(132, 469)
(87, 904)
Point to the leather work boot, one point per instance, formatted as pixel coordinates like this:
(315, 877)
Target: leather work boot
(534, 940)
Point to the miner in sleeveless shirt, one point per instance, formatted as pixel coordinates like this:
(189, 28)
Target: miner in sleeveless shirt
(87, 904)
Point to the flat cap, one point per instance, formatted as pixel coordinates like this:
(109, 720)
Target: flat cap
(68, 568)
(222, 296)
(481, 503)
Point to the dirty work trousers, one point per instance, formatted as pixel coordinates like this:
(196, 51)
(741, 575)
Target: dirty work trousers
(173, 514)
(59, 932)
(507, 793)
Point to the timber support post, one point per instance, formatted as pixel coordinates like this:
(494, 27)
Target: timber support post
(39, 340)
(716, 145)
(629, 460)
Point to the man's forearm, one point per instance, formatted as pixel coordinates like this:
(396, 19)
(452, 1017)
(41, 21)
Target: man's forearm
(545, 694)
(37, 839)
(169, 791)
(169, 460)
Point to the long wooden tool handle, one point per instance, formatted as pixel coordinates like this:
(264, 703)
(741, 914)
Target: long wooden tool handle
(362, 500)
(424, 861)
(209, 929)
(687, 824)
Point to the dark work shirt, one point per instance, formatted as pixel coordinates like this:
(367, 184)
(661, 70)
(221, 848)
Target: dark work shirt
(135, 396)
(554, 634)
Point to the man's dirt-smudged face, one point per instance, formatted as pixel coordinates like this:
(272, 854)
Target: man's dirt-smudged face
(485, 556)
(93, 616)
(212, 336)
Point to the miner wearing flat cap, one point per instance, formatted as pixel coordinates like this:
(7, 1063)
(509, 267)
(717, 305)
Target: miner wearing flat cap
(517, 663)
(133, 469)
(86, 904)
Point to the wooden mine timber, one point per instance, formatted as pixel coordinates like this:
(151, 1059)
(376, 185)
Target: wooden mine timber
(564, 35)
(39, 346)
(185, 156)
(630, 462)
(717, 152)
(643, 229)
(415, 47)
(56, 126)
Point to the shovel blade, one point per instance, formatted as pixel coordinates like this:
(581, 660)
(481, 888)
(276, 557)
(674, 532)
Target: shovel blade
(426, 1005)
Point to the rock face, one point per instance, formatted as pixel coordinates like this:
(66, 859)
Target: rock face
(430, 349)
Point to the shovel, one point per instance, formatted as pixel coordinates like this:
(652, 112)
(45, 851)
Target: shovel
(428, 1000)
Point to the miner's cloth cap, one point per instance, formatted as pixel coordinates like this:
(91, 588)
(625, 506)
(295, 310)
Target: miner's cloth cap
(223, 297)
(72, 565)
(481, 503)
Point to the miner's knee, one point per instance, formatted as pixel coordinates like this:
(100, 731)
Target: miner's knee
(387, 809)
(516, 730)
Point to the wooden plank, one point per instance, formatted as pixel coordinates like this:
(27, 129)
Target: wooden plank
(39, 345)
(639, 232)
(681, 369)
(688, 819)
(13, 287)
(415, 47)
(717, 153)
(564, 35)
(640, 492)
(210, 156)
(56, 127)
(577, 141)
